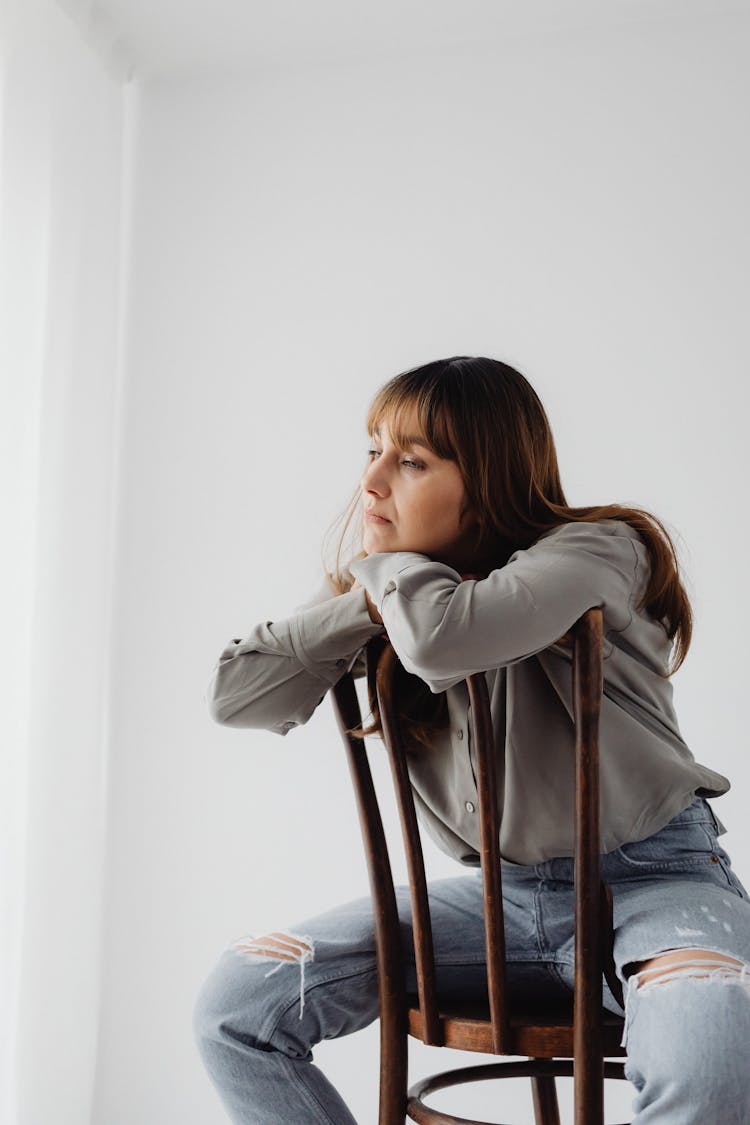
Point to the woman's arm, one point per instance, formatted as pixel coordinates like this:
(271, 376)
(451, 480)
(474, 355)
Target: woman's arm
(274, 677)
(371, 607)
(444, 629)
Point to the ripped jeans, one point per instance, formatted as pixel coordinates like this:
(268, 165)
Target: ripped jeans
(687, 1034)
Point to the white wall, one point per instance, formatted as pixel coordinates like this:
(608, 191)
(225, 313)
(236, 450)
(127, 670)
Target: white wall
(62, 137)
(575, 206)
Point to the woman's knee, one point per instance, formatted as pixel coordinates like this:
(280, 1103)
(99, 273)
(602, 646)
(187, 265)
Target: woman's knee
(236, 998)
(272, 992)
(687, 1038)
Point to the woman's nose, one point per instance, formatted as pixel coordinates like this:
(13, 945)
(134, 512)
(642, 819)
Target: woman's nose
(374, 479)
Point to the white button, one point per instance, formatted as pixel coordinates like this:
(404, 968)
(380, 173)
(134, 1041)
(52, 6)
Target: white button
(470, 807)
(460, 734)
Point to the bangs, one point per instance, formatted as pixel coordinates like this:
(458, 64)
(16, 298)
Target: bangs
(410, 415)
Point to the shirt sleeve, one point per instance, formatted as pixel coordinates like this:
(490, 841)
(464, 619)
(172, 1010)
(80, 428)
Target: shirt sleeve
(444, 629)
(275, 676)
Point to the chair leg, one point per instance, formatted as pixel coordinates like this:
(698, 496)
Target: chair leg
(544, 1093)
(394, 1065)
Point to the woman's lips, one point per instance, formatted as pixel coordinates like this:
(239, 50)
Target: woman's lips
(376, 519)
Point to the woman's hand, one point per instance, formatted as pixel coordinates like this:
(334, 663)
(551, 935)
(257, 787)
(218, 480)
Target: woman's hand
(371, 607)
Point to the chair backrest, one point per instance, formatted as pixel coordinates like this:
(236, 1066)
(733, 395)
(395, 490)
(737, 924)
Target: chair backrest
(587, 676)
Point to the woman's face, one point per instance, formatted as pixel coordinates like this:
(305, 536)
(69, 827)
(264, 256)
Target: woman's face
(420, 495)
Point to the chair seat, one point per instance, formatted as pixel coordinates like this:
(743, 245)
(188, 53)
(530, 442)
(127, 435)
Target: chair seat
(538, 1029)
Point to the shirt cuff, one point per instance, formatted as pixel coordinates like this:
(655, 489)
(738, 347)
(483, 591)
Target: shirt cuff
(328, 637)
(377, 572)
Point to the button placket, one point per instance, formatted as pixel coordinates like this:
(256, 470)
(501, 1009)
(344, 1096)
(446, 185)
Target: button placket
(468, 744)
(469, 805)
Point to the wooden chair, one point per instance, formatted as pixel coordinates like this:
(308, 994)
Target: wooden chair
(570, 1038)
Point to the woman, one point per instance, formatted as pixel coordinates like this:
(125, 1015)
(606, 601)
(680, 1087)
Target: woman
(472, 560)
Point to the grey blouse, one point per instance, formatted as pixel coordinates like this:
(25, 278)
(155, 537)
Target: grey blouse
(507, 625)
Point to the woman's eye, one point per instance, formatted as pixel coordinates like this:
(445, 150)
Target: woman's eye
(406, 461)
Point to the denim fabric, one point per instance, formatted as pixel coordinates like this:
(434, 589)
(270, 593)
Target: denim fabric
(257, 1018)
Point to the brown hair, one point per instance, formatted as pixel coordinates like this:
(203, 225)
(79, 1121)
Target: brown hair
(484, 415)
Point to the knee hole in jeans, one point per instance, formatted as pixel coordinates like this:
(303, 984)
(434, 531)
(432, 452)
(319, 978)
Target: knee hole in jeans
(699, 963)
(282, 947)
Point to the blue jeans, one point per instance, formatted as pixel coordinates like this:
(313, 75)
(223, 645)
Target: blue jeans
(258, 1016)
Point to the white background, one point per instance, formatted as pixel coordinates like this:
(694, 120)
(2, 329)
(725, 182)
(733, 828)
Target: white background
(287, 236)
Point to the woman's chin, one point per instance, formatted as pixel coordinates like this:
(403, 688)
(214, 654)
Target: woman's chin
(378, 539)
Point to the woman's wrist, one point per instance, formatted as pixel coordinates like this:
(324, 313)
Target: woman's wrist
(372, 609)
